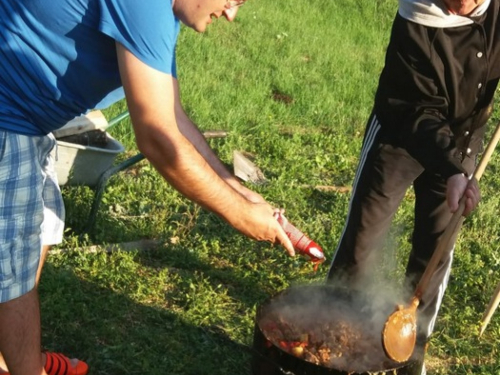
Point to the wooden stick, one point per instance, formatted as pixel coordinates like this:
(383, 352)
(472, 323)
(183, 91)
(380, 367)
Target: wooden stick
(338, 189)
(494, 301)
(215, 134)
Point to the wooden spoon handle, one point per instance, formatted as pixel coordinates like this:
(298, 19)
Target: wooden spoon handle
(456, 219)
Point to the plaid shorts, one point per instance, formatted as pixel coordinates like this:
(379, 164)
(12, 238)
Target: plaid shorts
(31, 209)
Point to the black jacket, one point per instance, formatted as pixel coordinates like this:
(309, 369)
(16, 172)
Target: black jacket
(436, 89)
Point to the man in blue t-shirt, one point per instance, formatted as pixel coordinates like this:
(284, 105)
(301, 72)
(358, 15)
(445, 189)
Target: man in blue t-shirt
(61, 58)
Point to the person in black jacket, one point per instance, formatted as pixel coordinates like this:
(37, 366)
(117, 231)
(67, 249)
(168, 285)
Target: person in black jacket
(427, 126)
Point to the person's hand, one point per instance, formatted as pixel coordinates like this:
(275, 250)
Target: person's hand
(457, 186)
(258, 222)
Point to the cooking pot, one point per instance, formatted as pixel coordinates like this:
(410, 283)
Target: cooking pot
(321, 308)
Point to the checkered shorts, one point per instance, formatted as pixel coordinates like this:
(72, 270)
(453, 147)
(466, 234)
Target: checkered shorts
(31, 209)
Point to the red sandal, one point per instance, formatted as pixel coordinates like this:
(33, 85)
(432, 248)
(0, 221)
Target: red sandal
(59, 364)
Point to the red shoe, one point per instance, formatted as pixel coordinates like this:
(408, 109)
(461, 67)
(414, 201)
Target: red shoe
(59, 364)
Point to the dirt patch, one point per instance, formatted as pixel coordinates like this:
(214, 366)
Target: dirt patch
(92, 138)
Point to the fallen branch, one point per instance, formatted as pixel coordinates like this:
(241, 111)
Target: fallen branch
(339, 189)
(141, 245)
(215, 134)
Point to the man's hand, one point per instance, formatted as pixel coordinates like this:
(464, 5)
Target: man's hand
(259, 223)
(457, 186)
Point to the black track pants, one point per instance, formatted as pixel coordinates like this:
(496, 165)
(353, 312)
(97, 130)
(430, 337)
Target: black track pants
(383, 176)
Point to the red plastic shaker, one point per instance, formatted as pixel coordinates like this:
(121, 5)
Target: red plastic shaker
(302, 244)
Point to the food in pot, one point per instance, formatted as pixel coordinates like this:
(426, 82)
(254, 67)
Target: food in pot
(337, 334)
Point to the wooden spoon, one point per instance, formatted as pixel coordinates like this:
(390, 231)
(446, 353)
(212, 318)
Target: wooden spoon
(400, 330)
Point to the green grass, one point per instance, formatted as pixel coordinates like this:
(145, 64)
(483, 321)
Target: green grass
(292, 82)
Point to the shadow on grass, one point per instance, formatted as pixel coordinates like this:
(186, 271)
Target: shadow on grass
(116, 335)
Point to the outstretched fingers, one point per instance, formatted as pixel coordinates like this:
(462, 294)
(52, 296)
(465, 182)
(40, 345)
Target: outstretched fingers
(472, 196)
(283, 239)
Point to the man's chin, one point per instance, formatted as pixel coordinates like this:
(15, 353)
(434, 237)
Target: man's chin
(200, 28)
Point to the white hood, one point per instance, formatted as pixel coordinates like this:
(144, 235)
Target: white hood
(433, 13)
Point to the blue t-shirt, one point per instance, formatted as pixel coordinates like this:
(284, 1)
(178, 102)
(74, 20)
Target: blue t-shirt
(58, 57)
